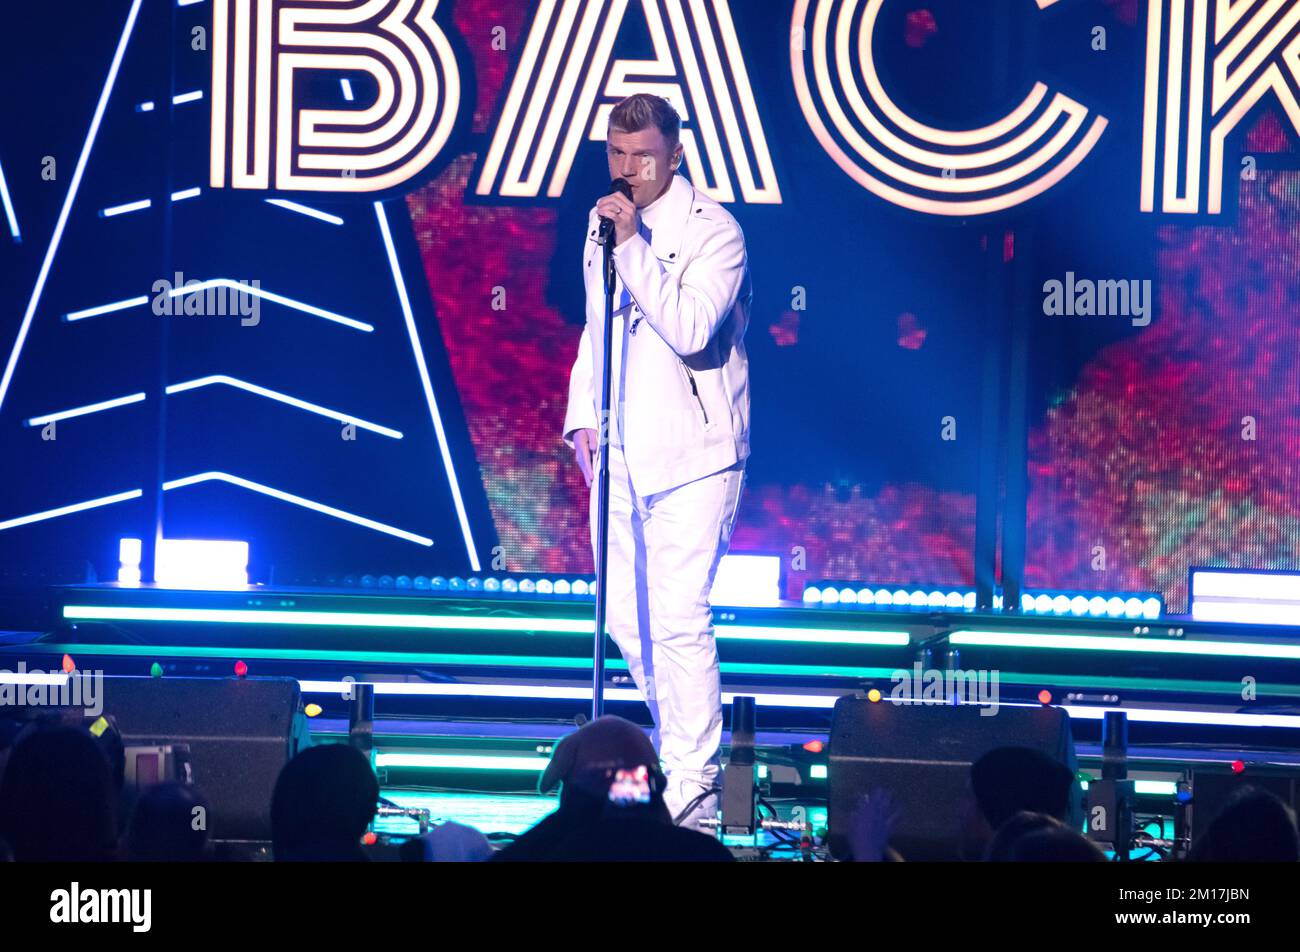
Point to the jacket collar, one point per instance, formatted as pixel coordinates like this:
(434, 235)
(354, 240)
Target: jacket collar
(671, 221)
(680, 204)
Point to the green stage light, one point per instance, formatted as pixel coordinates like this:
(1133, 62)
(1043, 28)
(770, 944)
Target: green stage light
(1156, 788)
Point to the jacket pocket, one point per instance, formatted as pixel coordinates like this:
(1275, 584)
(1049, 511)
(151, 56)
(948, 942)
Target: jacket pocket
(695, 392)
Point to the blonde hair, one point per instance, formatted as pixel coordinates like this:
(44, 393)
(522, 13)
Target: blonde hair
(641, 111)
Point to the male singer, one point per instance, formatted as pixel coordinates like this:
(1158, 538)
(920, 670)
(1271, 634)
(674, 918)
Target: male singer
(678, 434)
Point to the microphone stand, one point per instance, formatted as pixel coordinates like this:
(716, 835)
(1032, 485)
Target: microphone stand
(602, 484)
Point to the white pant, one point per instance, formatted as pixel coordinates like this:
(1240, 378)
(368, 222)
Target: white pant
(663, 552)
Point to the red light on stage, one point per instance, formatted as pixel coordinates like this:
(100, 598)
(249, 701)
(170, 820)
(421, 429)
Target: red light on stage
(241, 669)
(1044, 696)
(1238, 766)
(370, 839)
(68, 666)
(814, 746)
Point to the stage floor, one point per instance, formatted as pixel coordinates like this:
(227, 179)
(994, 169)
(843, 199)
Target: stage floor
(473, 689)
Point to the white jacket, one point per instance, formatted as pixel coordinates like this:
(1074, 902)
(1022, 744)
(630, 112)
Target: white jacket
(686, 387)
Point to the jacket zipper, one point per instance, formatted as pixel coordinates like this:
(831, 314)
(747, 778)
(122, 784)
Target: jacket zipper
(694, 390)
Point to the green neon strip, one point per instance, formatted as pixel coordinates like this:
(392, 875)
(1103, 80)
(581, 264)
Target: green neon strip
(560, 626)
(1014, 639)
(1160, 788)
(412, 657)
(1164, 788)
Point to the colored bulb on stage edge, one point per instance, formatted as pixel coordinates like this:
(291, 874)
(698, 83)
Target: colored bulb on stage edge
(68, 666)
(1044, 696)
(874, 696)
(156, 670)
(814, 747)
(1238, 766)
(241, 669)
(312, 710)
(370, 839)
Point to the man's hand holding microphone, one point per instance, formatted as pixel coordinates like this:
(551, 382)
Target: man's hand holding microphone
(618, 214)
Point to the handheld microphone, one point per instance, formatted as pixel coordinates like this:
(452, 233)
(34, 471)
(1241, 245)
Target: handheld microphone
(607, 224)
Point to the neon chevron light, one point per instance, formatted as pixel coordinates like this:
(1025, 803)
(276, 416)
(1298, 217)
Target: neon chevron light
(62, 221)
(283, 398)
(10, 216)
(200, 286)
(69, 509)
(234, 481)
(192, 96)
(305, 210)
(271, 296)
(429, 398)
(297, 501)
(1229, 649)
(88, 409)
(107, 308)
(128, 207)
(186, 193)
(228, 381)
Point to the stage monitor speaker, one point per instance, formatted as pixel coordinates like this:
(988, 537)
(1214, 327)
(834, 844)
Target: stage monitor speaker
(922, 754)
(240, 733)
(1212, 788)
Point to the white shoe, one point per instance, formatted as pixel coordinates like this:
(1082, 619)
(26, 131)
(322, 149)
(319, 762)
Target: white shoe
(679, 797)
